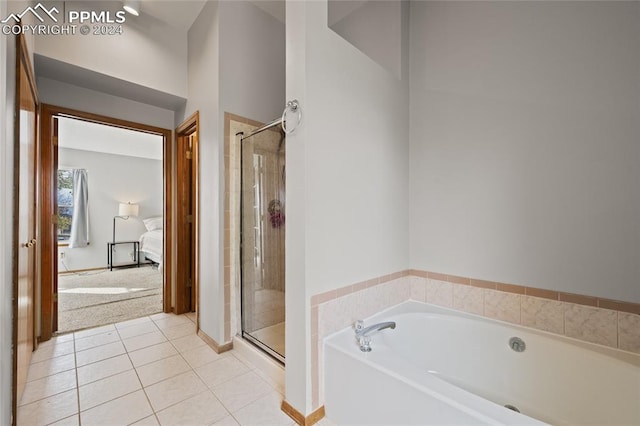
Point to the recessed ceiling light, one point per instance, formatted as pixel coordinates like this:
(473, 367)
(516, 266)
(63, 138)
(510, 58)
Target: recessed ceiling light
(132, 6)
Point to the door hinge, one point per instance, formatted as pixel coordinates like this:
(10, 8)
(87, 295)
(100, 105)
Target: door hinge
(55, 141)
(189, 218)
(55, 297)
(189, 283)
(189, 154)
(54, 219)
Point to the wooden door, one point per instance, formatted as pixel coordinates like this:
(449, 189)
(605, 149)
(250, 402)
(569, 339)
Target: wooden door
(187, 217)
(24, 239)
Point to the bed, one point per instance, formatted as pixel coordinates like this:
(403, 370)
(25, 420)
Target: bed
(151, 242)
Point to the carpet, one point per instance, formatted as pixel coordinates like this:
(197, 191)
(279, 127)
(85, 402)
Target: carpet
(104, 297)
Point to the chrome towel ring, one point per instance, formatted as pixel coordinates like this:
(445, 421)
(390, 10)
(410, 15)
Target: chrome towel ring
(292, 106)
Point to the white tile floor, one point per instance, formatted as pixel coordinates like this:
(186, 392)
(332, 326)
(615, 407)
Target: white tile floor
(148, 371)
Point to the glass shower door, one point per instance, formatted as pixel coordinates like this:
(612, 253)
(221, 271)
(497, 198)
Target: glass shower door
(262, 240)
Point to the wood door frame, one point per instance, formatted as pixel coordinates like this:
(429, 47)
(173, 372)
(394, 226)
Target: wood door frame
(23, 62)
(190, 126)
(48, 246)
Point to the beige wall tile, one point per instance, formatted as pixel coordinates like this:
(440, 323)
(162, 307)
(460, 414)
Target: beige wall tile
(418, 288)
(440, 293)
(399, 290)
(327, 318)
(629, 332)
(502, 306)
(543, 314)
(591, 324)
(468, 299)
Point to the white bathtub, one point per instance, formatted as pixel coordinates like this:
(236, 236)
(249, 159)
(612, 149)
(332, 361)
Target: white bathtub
(440, 366)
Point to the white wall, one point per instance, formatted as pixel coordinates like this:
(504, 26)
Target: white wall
(347, 175)
(252, 62)
(7, 88)
(374, 27)
(203, 96)
(149, 52)
(524, 143)
(236, 64)
(69, 96)
(112, 179)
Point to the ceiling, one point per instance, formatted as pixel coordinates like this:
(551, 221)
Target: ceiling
(182, 13)
(177, 13)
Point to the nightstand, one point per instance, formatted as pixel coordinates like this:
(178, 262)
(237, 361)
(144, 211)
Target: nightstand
(136, 257)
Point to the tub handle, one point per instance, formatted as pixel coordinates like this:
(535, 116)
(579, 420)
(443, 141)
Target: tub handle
(362, 332)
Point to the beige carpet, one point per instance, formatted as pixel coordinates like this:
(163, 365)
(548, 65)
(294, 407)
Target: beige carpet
(104, 297)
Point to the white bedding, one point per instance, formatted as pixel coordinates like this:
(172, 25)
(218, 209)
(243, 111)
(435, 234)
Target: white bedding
(151, 245)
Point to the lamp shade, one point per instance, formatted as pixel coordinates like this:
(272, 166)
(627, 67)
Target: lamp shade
(128, 209)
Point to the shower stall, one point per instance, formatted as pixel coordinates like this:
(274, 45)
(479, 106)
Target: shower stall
(262, 238)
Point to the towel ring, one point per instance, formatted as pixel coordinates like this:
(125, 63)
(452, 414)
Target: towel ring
(294, 106)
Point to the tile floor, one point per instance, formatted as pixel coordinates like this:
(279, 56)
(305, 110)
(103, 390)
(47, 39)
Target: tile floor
(149, 371)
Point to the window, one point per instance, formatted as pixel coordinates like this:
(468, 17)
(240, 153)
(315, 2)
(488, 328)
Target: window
(65, 203)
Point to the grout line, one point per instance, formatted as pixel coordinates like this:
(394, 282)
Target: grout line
(75, 362)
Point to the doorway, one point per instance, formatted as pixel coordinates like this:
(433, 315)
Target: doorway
(109, 190)
(124, 211)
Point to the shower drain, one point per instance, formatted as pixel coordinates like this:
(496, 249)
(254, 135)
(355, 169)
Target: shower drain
(512, 408)
(517, 344)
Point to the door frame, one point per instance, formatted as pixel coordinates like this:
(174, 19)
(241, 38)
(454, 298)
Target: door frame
(48, 223)
(189, 127)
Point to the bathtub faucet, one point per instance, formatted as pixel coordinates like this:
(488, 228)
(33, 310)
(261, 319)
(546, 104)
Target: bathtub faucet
(362, 332)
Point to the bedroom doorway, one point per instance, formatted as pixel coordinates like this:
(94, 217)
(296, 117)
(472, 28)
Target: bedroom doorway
(106, 195)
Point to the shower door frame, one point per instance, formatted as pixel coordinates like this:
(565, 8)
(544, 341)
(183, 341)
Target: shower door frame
(246, 335)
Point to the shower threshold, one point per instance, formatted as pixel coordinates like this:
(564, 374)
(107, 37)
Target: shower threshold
(263, 347)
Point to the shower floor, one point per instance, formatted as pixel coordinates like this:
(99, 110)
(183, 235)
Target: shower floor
(272, 336)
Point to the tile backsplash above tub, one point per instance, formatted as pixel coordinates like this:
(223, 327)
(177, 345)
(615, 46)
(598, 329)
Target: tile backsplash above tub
(603, 321)
(584, 318)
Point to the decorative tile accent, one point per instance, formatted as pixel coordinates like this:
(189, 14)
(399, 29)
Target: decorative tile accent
(591, 324)
(483, 284)
(578, 299)
(629, 332)
(458, 280)
(543, 314)
(631, 308)
(439, 293)
(502, 306)
(545, 294)
(510, 288)
(468, 299)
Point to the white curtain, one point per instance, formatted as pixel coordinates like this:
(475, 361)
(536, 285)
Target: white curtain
(80, 220)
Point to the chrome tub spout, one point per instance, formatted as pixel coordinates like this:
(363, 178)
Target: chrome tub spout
(363, 333)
